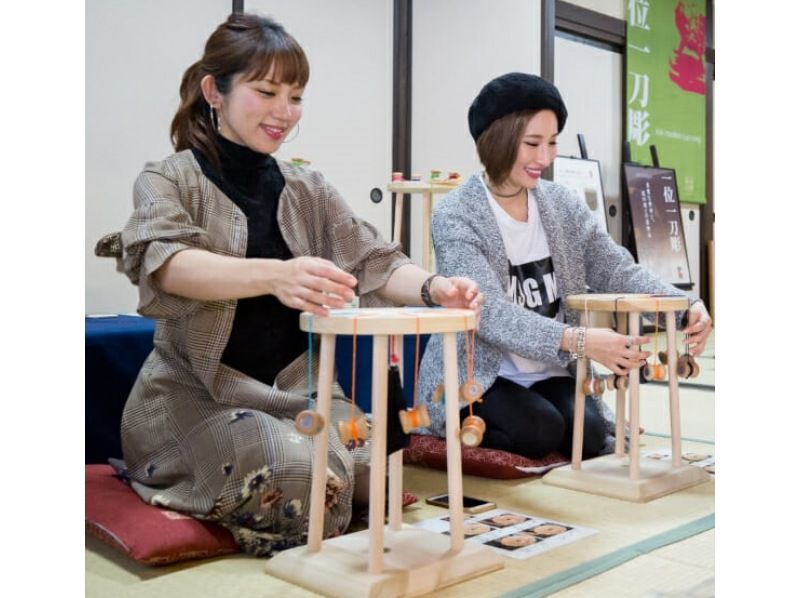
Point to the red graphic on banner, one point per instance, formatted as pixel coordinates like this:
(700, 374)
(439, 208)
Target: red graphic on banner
(687, 67)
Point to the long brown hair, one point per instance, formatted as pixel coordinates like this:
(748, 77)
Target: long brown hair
(245, 43)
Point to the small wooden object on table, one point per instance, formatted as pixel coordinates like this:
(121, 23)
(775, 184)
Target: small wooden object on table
(393, 560)
(618, 475)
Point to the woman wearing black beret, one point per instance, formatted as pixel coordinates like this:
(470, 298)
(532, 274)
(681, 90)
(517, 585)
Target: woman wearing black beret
(530, 243)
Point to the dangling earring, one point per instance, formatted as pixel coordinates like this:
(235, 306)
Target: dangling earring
(297, 132)
(212, 115)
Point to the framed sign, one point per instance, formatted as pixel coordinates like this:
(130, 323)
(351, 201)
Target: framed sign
(583, 177)
(656, 218)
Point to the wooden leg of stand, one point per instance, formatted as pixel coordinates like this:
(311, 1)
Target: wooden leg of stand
(319, 473)
(377, 472)
(580, 405)
(396, 489)
(674, 399)
(454, 487)
(398, 217)
(396, 460)
(427, 206)
(619, 447)
(633, 395)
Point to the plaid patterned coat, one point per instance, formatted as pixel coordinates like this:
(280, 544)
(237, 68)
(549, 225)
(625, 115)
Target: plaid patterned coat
(197, 435)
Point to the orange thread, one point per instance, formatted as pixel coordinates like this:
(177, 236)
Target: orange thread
(469, 345)
(414, 420)
(353, 429)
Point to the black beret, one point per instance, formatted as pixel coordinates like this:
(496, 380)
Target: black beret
(514, 92)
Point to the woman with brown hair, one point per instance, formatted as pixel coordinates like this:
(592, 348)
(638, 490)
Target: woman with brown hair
(530, 243)
(227, 245)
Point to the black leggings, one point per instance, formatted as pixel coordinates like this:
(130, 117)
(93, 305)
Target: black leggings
(537, 420)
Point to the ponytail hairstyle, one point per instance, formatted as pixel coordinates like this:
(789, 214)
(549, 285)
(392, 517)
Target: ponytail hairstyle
(247, 44)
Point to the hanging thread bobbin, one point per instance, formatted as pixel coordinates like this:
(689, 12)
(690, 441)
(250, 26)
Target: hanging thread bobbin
(309, 421)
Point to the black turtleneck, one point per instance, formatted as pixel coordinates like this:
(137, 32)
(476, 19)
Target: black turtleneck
(266, 335)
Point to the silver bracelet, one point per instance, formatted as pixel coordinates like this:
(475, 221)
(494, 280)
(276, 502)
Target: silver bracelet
(578, 345)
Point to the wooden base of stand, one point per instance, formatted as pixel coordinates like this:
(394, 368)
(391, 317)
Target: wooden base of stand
(610, 476)
(416, 561)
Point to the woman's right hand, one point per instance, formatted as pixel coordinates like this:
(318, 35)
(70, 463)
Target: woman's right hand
(618, 352)
(312, 284)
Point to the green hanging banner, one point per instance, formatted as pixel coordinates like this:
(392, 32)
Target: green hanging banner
(666, 87)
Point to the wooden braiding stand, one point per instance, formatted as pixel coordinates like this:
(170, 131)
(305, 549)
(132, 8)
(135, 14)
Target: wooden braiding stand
(415, 561)
(616, 475)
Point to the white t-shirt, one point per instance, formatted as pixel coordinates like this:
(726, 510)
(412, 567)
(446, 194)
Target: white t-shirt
(532, 284)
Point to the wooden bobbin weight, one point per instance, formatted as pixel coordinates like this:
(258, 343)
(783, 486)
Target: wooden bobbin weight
(417, 417)
(353, 432)
(618, 382)
(309, 422)
(684, 369)
(695, 367)
(659, 372)
(438, 393)
(594, 386)
(647, 372)
(471, 391)
(472, 429)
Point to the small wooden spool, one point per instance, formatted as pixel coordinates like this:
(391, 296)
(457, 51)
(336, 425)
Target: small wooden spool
(472, 429)
(684, 369)
(618, 382)
(353, 432)
(647, 372)
(594, 387)
(438, 393)
(417, 417)
(309, 422)
(695, 367)
(659, 372)
(471, 391)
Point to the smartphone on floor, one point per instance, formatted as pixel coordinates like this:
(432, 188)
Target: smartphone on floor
(471, 505)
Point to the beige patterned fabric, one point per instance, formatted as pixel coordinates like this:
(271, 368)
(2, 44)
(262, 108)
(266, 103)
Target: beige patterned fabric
(197, 435)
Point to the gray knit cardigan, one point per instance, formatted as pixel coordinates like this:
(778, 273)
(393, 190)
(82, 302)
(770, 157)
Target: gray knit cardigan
(468, 243)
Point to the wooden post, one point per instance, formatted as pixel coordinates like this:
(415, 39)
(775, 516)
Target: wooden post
(427, 207)
(580, 406)
(674, 400)
(619, 445)
(454, 488)
(633, 396)
(319, 469)
(377, 473)
(396, 459)
(398, 218)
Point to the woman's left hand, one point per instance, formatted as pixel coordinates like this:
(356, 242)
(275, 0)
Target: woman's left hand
(697, 329)
(457, 292)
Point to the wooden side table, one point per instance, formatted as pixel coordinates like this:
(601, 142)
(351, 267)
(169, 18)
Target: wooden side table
(393, 560)
(427, 191)
(618, 475)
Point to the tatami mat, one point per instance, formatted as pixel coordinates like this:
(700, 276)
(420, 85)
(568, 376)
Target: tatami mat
(685, 568)
(620, 524)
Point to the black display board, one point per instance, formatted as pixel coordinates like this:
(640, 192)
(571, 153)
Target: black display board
(655, 212)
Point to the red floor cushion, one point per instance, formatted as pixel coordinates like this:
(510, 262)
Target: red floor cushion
(152, 535)
(430, 451)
